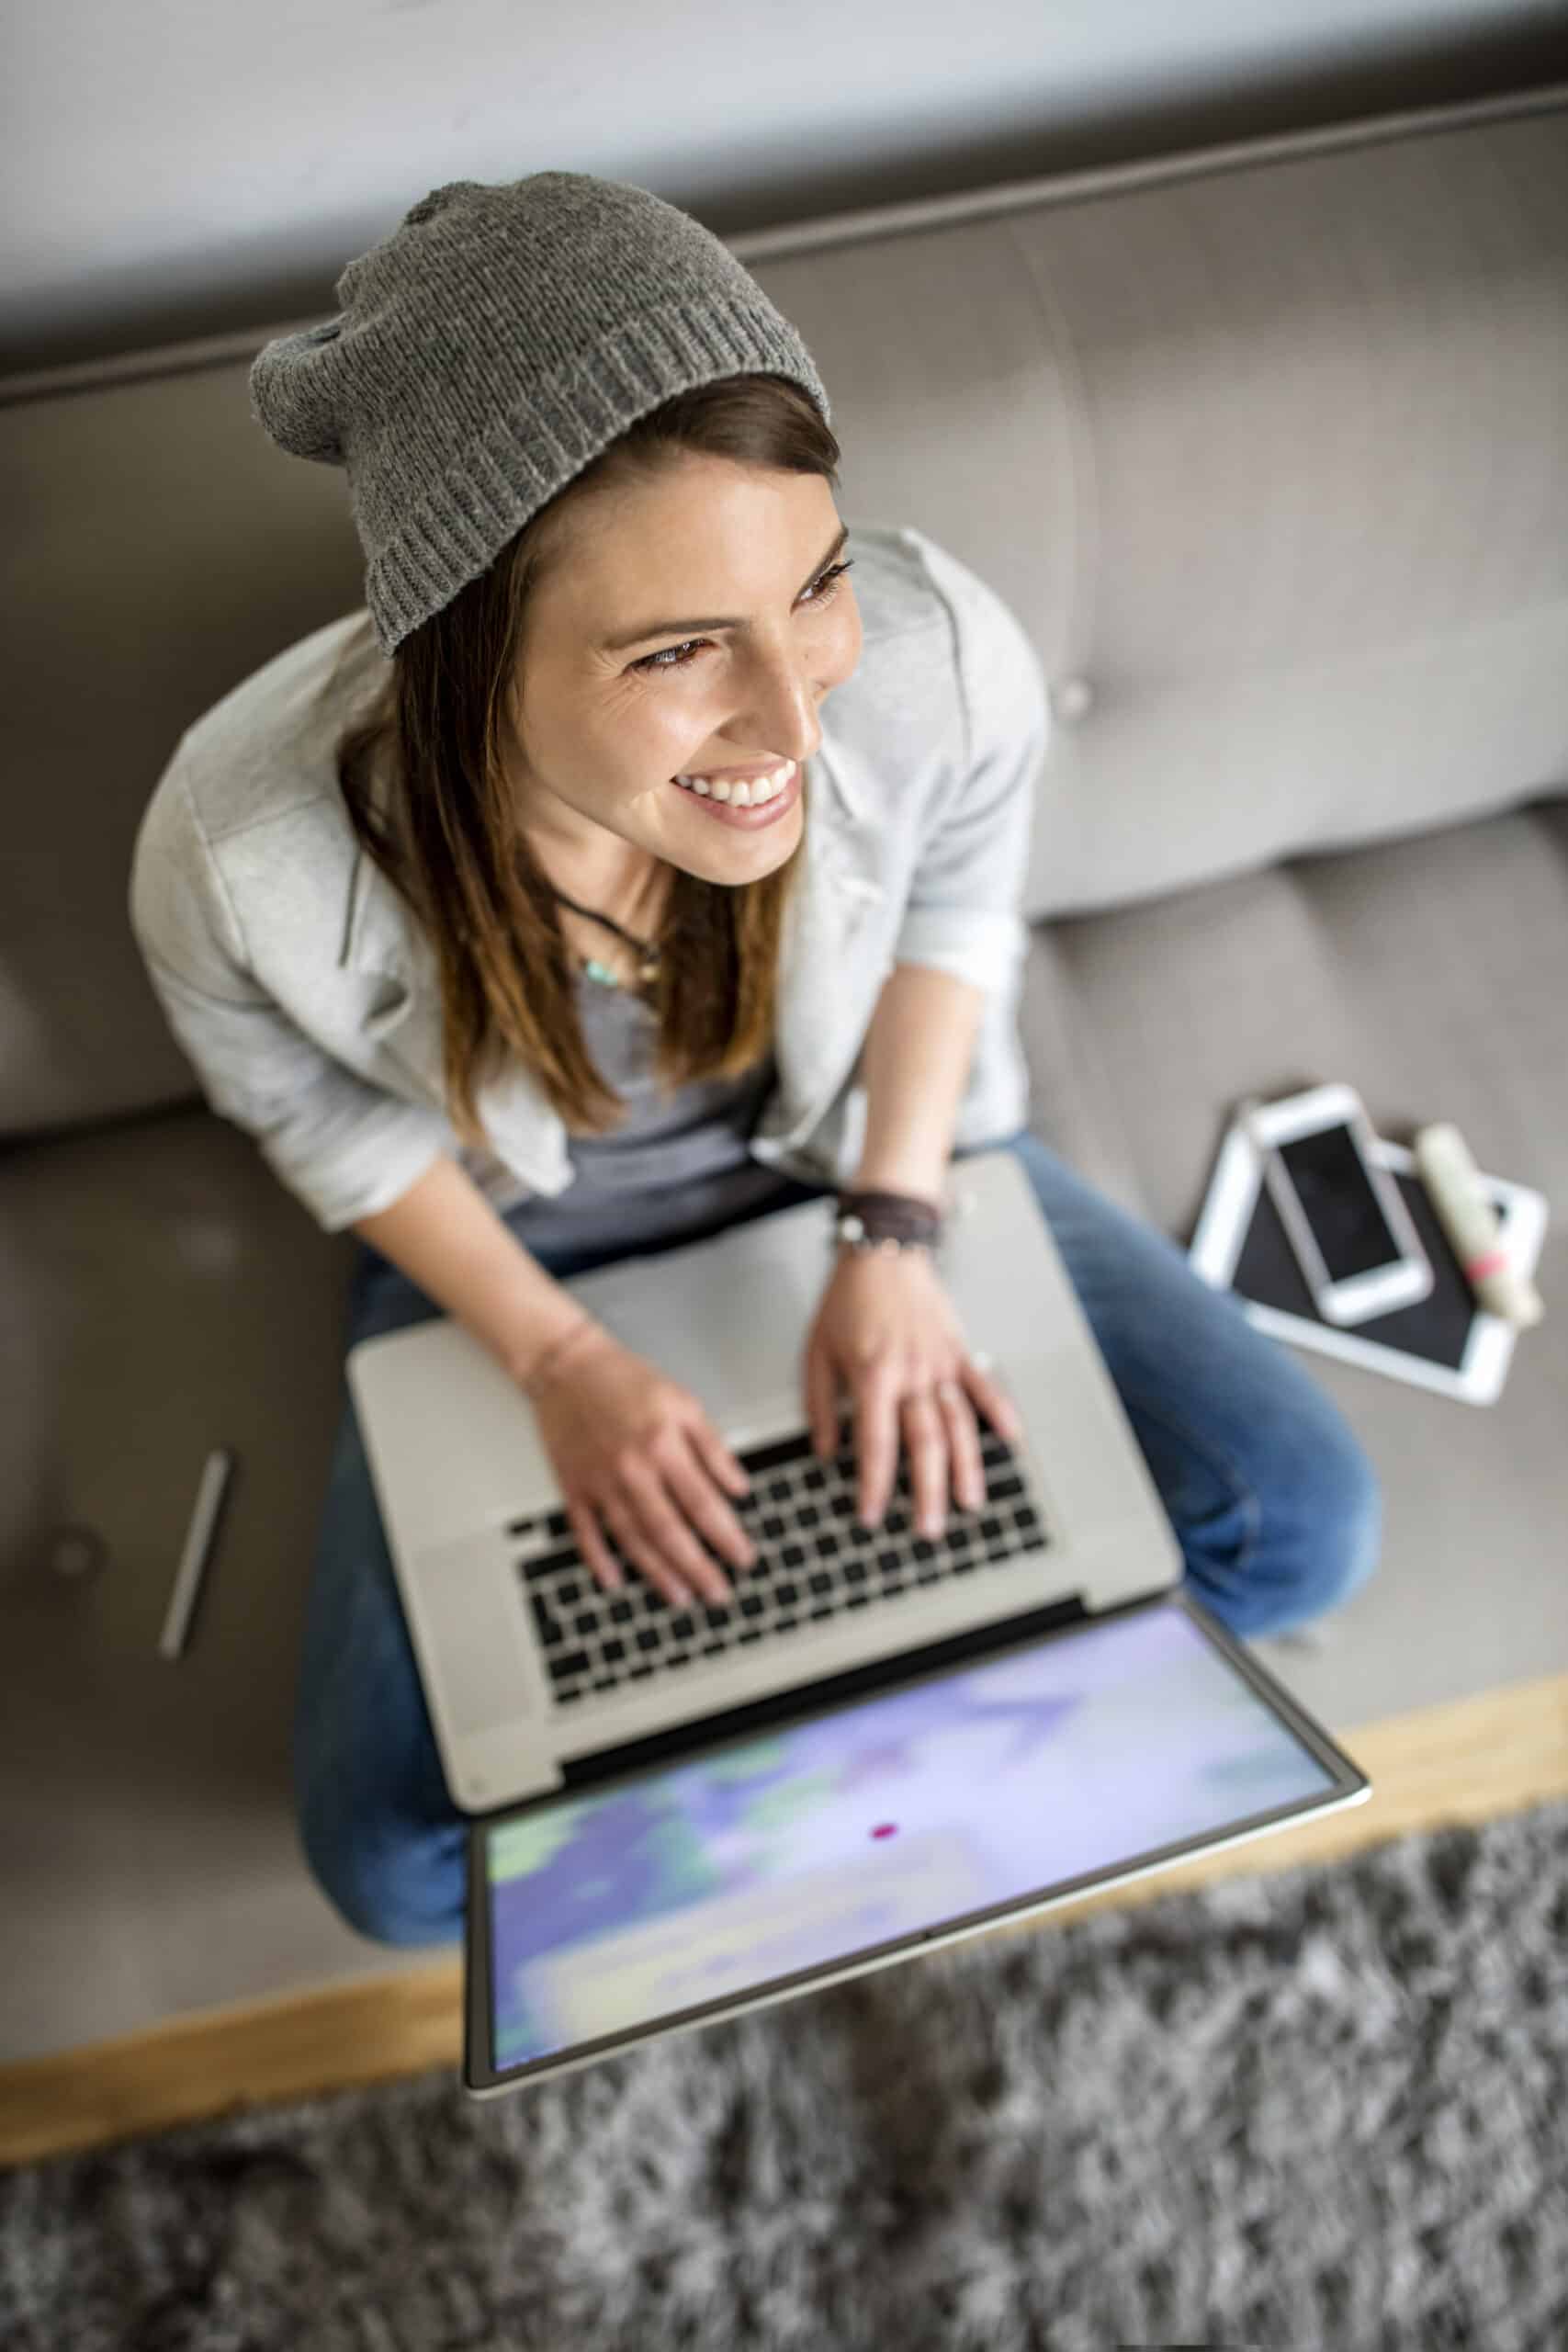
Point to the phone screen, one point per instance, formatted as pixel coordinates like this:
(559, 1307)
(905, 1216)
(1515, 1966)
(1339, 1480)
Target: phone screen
(1338, 1203)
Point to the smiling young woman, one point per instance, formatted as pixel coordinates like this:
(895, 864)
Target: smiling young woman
(523, 749)
(593, 469)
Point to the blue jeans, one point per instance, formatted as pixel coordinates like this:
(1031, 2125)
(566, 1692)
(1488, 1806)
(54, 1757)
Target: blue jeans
(1276, 1507)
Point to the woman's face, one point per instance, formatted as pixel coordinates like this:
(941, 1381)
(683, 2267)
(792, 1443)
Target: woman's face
(686, 629)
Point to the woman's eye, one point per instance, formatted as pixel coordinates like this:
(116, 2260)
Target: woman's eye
(676, 657)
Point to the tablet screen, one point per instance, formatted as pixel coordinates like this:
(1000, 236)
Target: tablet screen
(690, 1881)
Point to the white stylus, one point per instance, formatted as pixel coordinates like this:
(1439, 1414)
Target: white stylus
(1471, 1225)
(198, 1551)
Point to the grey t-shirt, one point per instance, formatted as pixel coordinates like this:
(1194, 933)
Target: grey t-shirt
(675, 1164)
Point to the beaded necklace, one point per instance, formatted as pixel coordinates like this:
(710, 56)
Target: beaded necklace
(647, 949)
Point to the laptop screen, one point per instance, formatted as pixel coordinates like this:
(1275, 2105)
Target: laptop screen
(700, 1883)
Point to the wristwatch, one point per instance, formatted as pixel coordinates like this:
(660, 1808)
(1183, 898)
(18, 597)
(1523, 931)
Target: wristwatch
(895, 1221)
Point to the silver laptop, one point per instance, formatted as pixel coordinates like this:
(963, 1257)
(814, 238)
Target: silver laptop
(886, 1743)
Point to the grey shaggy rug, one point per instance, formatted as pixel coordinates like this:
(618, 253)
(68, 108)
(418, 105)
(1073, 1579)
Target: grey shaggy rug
(1319, 2110)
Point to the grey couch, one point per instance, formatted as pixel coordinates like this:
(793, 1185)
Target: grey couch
(1268, 448)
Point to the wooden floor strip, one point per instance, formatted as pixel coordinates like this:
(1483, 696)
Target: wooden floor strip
(1469, 1761)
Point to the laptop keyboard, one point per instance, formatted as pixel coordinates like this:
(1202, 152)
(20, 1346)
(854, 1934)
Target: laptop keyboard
(814, 1562)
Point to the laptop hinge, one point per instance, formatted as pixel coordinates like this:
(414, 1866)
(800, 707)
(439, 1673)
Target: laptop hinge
(800, 1702)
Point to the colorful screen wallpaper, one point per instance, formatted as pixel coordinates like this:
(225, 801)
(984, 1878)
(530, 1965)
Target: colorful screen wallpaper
(820, 1840)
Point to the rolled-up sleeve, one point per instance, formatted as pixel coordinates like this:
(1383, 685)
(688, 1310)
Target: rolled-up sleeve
(964, 912)
(347, 1149)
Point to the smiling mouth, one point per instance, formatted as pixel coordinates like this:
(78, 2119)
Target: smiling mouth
(754, 792)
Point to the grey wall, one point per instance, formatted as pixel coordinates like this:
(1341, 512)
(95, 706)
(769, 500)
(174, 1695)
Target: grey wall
(185, 167)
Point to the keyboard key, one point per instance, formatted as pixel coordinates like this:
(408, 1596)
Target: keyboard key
(548, 1562)
(818, 1560)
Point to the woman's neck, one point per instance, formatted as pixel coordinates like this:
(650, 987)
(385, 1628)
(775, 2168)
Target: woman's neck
(631, 888)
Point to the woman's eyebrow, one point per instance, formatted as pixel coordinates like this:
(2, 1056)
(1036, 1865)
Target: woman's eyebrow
(676, 628)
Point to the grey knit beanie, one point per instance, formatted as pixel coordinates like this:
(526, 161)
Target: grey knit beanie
(493, 346)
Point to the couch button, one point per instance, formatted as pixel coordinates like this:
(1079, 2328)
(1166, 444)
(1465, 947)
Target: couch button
(76, 1551)
(1071, 699)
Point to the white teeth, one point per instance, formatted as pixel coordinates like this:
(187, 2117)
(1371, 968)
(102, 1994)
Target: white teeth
(747, 795)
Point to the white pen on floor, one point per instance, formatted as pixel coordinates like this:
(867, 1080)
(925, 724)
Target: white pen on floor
(198, 1551)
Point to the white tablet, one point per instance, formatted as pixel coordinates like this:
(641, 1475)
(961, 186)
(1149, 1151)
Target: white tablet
(1447, 1341)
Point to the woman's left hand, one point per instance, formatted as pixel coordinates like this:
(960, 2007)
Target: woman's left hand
(887, 1329)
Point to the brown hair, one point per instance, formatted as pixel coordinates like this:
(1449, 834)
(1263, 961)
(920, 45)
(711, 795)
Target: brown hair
(454, 850)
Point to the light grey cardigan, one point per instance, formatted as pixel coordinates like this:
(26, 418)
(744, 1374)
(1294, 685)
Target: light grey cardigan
(305, 995)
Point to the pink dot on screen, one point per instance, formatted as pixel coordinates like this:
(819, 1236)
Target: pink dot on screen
(885, 1829)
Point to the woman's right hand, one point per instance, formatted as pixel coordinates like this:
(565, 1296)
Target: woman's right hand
(631, 1443)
